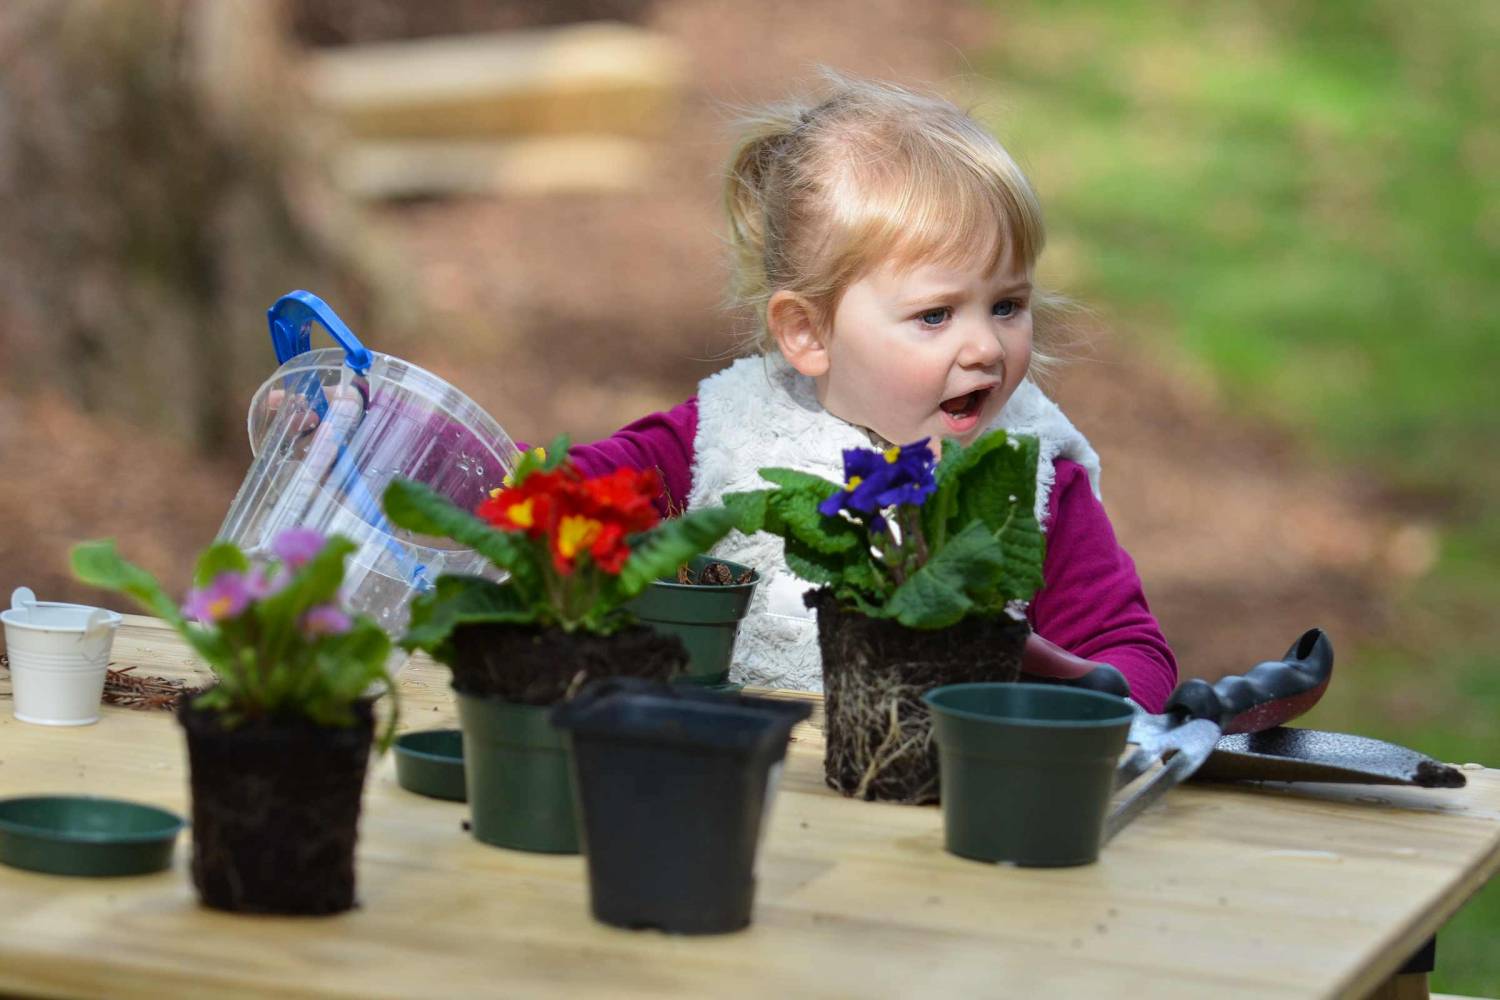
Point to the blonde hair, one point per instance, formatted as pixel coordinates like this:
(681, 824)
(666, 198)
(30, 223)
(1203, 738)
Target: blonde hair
(820, 194)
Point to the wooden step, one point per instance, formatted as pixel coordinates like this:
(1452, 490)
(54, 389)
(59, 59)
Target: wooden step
(597, 77)
(428, 168)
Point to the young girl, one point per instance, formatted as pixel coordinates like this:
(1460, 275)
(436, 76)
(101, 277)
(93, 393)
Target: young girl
(887, 244)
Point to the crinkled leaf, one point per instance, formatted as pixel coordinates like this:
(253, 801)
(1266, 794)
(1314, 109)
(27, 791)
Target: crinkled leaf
(345, 668)
(748, 509)
(809, 564)
(1001, 479)
(977, 481)
(460, 600)
(219, 558)
(418, 508)
(941, 592)
(1025, 549)
(793, 513)
(791, 479)
(661, 550)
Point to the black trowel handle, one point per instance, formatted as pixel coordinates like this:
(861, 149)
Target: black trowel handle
(1268, 695)
(1044, 662)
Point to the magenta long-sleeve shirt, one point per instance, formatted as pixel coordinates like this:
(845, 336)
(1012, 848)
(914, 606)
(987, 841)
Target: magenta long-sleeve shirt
(1091, 602)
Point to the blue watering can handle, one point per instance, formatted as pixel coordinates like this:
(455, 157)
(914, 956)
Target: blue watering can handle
(291, 319)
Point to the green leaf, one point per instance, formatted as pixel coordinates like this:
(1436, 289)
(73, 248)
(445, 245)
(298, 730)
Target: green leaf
(418, 508)
(219, 558)
(793, 513)
(671, 543)
(556, 454)
(809, 564)
(748, 509)
(996, 466)
(1000, 480)
(100, 564)
(459, 600)
(791, 479)
(943, 591)
(1025, 550)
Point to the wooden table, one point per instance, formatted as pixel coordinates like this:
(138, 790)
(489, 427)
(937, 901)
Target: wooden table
(1218, 891)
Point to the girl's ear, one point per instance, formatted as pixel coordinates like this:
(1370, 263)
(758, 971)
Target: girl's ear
(793, 322)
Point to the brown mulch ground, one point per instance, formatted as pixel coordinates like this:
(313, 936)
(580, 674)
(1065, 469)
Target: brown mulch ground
(580, 313)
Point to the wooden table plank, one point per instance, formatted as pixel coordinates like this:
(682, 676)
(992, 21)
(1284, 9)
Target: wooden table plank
(1217, 891)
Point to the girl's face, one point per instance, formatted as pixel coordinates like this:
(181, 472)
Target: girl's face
(928, 351)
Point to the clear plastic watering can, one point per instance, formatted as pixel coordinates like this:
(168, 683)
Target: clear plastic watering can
(331, 429)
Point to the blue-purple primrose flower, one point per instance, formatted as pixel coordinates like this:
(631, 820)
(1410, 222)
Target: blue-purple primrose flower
(877, 480)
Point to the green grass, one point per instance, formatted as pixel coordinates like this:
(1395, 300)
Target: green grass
(1306, 196)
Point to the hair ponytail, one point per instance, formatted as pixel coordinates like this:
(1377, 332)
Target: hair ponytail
(751, 189)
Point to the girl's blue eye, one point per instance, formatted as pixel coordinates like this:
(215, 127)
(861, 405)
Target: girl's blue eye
(933, 317)
(1006, 308)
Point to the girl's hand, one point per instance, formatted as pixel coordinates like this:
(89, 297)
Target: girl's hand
(309, 419)
(1044, 658)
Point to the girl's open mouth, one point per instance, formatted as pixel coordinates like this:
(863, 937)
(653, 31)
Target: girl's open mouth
(962, 412)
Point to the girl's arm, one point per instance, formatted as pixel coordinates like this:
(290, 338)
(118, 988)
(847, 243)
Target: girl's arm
(663, 441)
(1091, 603)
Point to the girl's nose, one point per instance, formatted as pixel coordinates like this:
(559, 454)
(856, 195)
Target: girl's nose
(981, 347)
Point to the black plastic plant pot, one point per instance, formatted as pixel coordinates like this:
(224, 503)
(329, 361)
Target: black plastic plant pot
(276, 811)
(517, 774)
(875, 672)
(673, 787)
(706, 617)
(1027, 770)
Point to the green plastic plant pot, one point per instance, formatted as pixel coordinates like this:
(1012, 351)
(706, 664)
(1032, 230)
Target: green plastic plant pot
(1027, 770)
(82, 835)
(706, 617)
(431, 762)
(517, 774)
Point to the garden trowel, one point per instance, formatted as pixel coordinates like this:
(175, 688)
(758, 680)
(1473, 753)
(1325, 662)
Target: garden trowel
(1288, 754)
(1199, 713)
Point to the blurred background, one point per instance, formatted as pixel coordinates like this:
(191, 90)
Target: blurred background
(1283, 218)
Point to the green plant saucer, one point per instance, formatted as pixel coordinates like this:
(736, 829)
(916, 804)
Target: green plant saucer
(719, 684)
(431, 762)
(83, 835)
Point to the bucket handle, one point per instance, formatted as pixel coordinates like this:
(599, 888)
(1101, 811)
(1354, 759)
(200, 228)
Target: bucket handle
(291, 320)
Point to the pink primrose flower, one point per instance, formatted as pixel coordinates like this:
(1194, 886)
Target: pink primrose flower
(325, 619)
(296, 546)
(226, 597)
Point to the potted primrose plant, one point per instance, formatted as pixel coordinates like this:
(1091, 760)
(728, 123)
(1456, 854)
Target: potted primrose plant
(278, 745)
(575, 550)
(923, 569)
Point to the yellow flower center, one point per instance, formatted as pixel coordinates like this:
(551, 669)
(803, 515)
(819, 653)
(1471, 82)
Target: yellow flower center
(892, 453)
(576, 533)
(219, 607)
(499, 489)
(521, 514)
(540, 453)
(854, 482)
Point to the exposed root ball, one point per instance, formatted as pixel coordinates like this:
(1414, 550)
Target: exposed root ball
(875, 672)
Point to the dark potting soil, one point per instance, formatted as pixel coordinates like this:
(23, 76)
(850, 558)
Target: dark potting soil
(875, 671)
(713, 574)
(276, 811)
(531, 666)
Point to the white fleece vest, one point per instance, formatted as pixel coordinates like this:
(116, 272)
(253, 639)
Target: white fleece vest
(761, 412)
